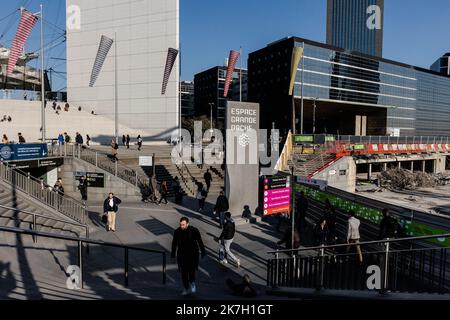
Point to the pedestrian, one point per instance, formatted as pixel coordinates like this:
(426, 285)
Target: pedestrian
(59, 189)
(78, 139)
(186, 245)
(82, 186)
(21, 138)
(330, 216)
(124, 139)
(201, 196)
(353, 236)
(114, 150)
(88, 140)
(128, 141)
(60, 139)
(222, 206)
(5, 139)
(178, 191)
(302, 208)
(154, 186)
(164, 190)
(389, 227)
(208, 178)
(227, 237)
(66, 138)
(110, 208)
(287, 238)
(139, 141)
(321, 233)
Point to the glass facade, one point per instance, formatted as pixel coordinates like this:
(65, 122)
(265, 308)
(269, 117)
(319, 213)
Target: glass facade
(417, 101)
(347, 26)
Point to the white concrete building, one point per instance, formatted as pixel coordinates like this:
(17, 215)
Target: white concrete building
(145, 30)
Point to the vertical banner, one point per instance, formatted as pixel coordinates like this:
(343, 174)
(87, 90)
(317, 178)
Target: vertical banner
(103, 49)
(234, 56)
(297, 55)
(26, 25)
(170, 62)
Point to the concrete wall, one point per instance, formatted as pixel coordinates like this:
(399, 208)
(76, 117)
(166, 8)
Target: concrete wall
(145, 30)
(332, 174)
(120, 188)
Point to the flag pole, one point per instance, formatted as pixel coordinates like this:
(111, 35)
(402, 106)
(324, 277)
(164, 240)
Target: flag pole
(116, 106)
(179, 97)
(42, 77)
(240, 78)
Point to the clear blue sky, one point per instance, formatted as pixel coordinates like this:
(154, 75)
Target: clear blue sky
(415, 31)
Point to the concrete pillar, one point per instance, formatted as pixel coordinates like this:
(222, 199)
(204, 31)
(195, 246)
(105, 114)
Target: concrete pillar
(399, 165)
(412, 166)
(423, 165)
(385, 166)
(369, 174)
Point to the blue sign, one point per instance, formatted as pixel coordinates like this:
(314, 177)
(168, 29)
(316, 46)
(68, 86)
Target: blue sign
(13, 152)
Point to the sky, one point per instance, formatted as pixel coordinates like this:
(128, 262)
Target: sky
(416, 32)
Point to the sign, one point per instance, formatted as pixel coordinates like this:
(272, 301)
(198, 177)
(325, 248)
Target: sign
(33, 164)
(277, 195)
(332, 172)
(359, 147)
(11, 152)
(94, 179)
(145, 161)
(303, 138)
(322, 184)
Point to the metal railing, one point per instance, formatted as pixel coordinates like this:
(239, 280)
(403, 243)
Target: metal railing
(410, 267)
(33, 188)
(395, 140)
(34, 223)
(101, 161)
(81, 242)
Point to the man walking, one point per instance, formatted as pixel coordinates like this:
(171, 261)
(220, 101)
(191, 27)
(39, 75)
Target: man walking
(78, 139)
(389, 227)
(139, 142)
(114, 150)
(21, 138)
(83, 189)
(124, 140)
(208, 178)
(353, 234)
(186, 245)
(128, 141)
(164, 190)
(221, 207)
(110, 207)
(227, 238)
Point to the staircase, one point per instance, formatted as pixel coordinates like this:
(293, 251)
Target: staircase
(306, 165)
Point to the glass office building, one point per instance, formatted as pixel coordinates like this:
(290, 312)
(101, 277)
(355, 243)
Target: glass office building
(347, 25)
(340, 88)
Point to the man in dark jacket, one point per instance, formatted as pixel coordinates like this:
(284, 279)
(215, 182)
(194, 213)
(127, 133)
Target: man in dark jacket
(208, 178)
(78, 139)
(227, 238)
(186, 245)
(389, 227)
(83, 189)
(302, 207)
(221, 207)
(110, 207)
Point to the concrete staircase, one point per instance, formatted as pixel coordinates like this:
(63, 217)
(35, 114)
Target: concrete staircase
(306, 165)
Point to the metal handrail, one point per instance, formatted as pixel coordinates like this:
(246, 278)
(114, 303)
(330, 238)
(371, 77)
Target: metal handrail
(36, 215)
(446, 235)
(82, 241)
(73, 210)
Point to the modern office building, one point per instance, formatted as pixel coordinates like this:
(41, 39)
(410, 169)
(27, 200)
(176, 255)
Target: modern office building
(209, 90)
(143, 30)
(187, 99)
(353, 93)
(348, 27)
(442, 65)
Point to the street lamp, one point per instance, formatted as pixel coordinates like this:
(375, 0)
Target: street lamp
(211, 121)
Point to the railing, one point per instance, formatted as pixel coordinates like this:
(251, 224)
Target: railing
(81, 242)
(33, 188)
(101, 161)
(401, 265)
(396, 140)
(34, 224)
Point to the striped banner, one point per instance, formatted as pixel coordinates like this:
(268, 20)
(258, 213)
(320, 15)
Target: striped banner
(234, 56)
(170, 62)
(103, 49)
(27, 22)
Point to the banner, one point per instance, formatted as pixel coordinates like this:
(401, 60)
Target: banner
(297, 55)
(103, 49)
(170, 62)
(234, 55)
(27, 22)
(9, 152)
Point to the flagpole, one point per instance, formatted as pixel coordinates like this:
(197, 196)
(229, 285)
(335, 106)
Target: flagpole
(240, 78)
(116, 106)
(179, 97)
(42, 77)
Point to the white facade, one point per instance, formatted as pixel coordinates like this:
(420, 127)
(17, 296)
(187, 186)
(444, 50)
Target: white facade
(145, 30)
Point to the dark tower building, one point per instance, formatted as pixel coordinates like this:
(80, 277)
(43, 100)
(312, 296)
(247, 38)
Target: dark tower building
(356, 25)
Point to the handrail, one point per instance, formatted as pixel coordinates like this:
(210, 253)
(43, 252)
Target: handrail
(446, 235)
(37, 215)
(74, 210)
(82, 241)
